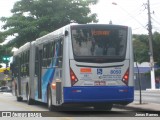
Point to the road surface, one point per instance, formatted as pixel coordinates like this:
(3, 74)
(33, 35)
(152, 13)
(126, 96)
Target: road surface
(8, 103)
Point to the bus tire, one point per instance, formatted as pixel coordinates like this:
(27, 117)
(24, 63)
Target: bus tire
(29, 100)
(49, 100)
(15, 92)
(103, 107)
(18, 98)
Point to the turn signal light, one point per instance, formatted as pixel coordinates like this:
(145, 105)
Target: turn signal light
(74, 79)
(126, 77)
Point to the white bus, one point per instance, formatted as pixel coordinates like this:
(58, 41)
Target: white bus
(86, 64)
(22, 70)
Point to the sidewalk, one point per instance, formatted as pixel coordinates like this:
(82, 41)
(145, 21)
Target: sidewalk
(135, 106)
(145, 106)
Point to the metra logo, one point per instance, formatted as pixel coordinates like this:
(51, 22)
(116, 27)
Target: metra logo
(99, 71)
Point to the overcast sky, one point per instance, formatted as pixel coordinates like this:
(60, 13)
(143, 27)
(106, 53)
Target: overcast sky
(127, 12)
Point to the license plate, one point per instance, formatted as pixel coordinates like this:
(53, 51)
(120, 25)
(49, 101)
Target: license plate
(99, 83)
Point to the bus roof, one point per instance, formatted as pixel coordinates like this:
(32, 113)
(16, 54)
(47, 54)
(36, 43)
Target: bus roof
(22, 48)
(53, 35)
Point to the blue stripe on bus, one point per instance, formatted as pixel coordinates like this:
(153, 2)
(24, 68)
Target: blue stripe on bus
(48, 76)
(98, 94)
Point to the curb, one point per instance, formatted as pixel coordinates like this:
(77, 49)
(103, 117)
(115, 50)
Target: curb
(135, 107)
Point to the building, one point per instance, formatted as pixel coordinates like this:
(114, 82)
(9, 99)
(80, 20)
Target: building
(144, 76)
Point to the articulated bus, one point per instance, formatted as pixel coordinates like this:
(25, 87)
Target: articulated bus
(86, 64)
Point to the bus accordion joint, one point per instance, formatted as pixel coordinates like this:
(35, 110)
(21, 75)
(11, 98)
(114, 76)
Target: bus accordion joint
(126, 77)
(74, 79)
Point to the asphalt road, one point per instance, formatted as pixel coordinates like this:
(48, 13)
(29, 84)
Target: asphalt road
(8, 103)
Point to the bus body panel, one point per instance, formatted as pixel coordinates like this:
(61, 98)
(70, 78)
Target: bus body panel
(130, 49)
(32, 71)
(110, 94)
(52, 72)
(22, 72)
(107, 74)
(97, 82)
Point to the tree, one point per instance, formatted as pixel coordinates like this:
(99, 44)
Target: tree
(156, 47)
(34, 18)
(141, 47)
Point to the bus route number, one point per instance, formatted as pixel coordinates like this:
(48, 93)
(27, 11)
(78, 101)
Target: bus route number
(115, 72)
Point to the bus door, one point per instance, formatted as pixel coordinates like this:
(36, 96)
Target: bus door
(39, 74)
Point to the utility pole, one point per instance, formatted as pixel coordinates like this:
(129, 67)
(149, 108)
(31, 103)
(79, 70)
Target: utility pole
(151, 47)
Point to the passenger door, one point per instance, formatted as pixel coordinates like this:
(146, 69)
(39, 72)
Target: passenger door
(40, 74)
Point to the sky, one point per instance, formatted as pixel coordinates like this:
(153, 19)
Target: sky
(132, 13)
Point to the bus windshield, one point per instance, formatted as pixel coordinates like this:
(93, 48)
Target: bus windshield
(101, 41)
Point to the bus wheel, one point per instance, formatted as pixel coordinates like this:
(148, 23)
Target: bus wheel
(103, 107)
(29, 100)
(18, 98)
(49, 100)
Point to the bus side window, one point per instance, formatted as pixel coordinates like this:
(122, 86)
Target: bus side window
(60, 55)
(36, 62)
(27, 62)
(21, 65)
(15, 72)
(24, 64)
(44, 63)
(48, 54)
(52, 52)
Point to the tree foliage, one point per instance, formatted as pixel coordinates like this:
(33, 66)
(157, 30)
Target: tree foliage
(156, 47)
(33, 18)
(141, 47)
